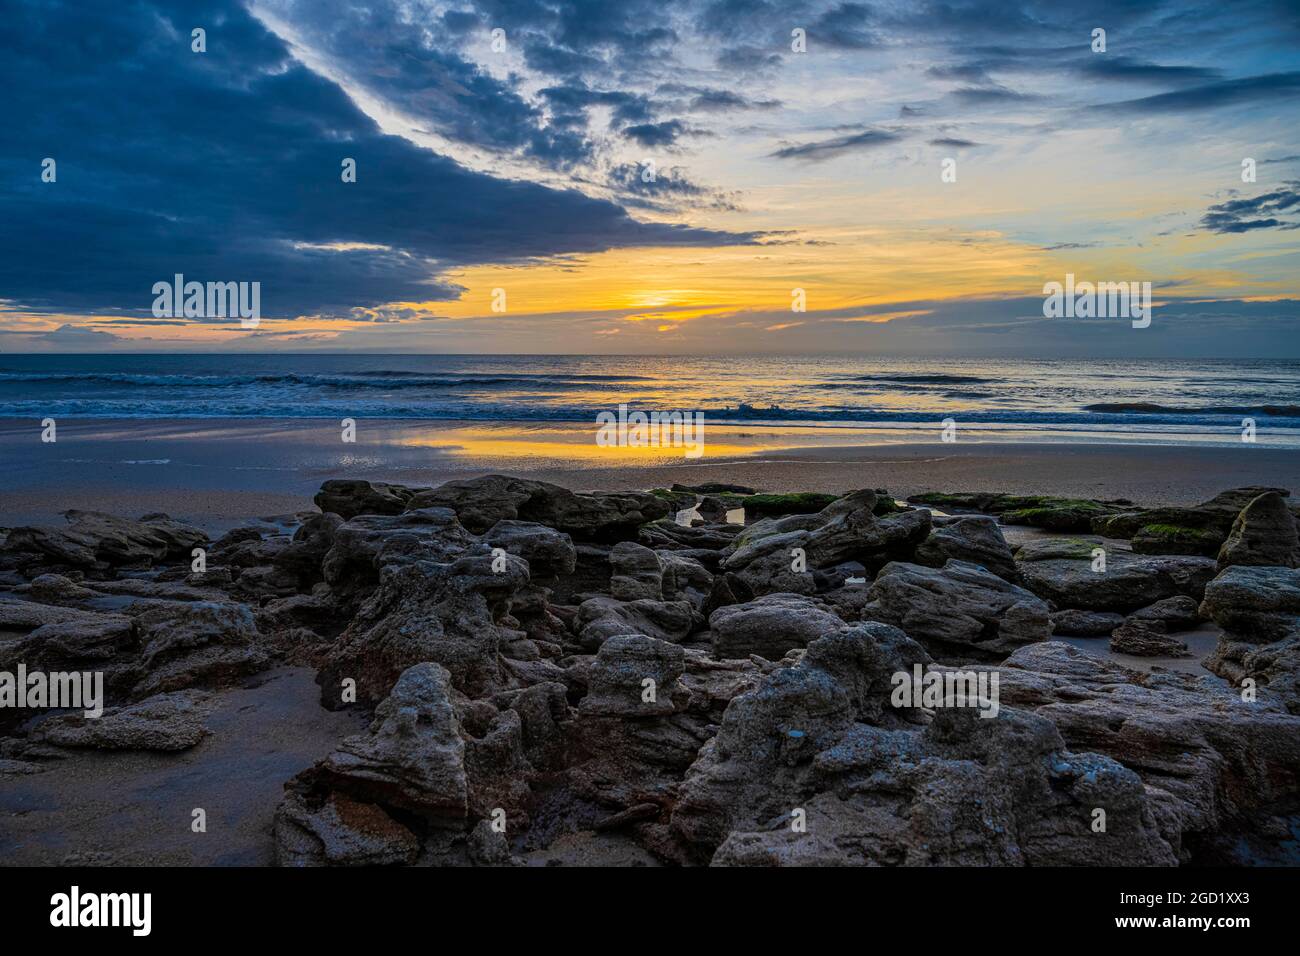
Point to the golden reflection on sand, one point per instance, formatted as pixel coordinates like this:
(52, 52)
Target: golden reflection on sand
(577, 442)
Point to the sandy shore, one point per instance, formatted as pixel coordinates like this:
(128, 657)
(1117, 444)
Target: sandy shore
(218, 473)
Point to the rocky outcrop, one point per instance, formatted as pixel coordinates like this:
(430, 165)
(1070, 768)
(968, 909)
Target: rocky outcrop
(958, 605)
(1264, 533)
(1175, 614)
(816, 767)
(1066, 515)
(641, 573)
(601, 618)
(203, 643)
(349, 498)
(165, 722)
(449, 612)
(975, 539)
(1199, 529)
(410, 764)
(1259, 611)
(1061, 570)
(764, 560)
(481, 502)
(1146, 638)
(769, 626)
(1211, 761)
(96, 542)
(1079, 623)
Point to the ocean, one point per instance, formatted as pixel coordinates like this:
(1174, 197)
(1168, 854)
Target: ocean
(1087, 400)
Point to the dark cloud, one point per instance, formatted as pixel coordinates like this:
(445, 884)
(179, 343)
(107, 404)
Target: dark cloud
(667, 133)
(1259, 212)
(954, 143)
(1244, 91)
(670, 189)
(225, 166)
(1113, 67)
(839, 145)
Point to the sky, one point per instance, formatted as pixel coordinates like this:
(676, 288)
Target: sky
(651, 176)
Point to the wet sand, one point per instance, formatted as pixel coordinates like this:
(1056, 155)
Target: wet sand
(218, 473)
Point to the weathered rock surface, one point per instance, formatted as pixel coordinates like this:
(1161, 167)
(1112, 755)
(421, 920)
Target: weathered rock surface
(1210, 760)
(1062, 571)
(1264, 533)
(1259, 611)
(349, 498)
(410, 762)
(448, 612)
(769, 626)
(165, 722)
(1146, 638)
(958, 604)
(197, 644)
(763, 557)
(1067, 515)
(1176, 613)
(1085, 623)
(975, 539)
(97, 541)
(481, 502)
(1200, 529)
(601, 618)
(820, 743)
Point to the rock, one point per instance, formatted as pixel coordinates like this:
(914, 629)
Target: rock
(165, 722)
(715, 508)
(601, 618)
(798, 503)
(666, 534)
(1068, 515)
(640, 573)
(1260, 603)
(412, 757)
(339, 831)
(1085, 623)
(976, 539)
(1200, 529)
(1061, 570)
(349, 498)
(54, 638)
(627, 749)
(1259, 611)
(769, 626)
(617, 679)
(549, 553)
(820, 741)
(197, 644)
(959, 604)
(1176, 613)
(762, 558)
(448, 612)
(305, 554)
(1264, 533)
(481, 502)
(637, 573)
(366, 545)
(1146, 638)
(714, 488)
(1211, 762)
(97, 541)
